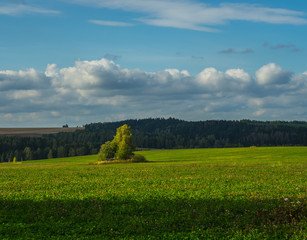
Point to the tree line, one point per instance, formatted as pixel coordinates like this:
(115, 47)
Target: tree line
(157, 133)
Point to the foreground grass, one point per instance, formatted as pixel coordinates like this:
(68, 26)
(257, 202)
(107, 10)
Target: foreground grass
(240, 193)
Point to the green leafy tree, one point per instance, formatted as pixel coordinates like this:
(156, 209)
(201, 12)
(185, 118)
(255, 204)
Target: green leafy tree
(121, 147)
(123, 140)
(107, 151)
(125, 148)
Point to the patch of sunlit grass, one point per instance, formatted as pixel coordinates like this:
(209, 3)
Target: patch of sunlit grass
(251, 193)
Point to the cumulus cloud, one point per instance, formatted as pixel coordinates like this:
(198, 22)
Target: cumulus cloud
(101, 90)
(28, 79)
(272, 74)
(99, 74)
(230, 81)
(195, 15)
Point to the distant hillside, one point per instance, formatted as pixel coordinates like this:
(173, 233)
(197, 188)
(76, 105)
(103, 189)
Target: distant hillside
(174, 133)
(35, 132)
(157, 133)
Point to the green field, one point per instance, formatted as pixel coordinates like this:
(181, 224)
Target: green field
(238, 193)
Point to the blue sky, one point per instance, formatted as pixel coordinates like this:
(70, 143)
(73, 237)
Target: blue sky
(82, 61)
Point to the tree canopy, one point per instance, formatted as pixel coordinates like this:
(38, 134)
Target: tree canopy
(120, 148)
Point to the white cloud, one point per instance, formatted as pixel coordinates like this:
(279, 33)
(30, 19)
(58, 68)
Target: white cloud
(272, 74)
(107, 78)
(301, 80)
(97, 74)
(232, 80)
(101, 89)
(239, 75)
(21, 94)
(195, 15)
(17, 9)
(28, 79)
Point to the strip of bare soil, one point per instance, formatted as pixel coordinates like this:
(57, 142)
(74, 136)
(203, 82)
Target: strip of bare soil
(35, 132)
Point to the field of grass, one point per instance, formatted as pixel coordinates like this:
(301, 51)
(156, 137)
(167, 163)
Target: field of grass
(35, 132)
(238, 193)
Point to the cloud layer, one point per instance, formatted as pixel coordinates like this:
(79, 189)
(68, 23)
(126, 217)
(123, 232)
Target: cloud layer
(101, 90)
(18, 9)
(195, 15)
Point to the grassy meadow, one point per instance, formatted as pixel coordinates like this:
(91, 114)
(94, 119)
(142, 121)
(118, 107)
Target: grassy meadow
(235, 193)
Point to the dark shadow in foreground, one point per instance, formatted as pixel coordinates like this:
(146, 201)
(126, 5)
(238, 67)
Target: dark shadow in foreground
(152, 218)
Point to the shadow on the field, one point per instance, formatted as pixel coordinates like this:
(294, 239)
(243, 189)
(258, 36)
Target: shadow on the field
(116, 217)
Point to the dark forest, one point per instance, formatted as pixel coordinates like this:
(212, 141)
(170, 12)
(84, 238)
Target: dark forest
(158, 133)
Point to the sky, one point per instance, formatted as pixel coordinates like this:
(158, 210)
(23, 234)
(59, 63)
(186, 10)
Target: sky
(81, 61)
